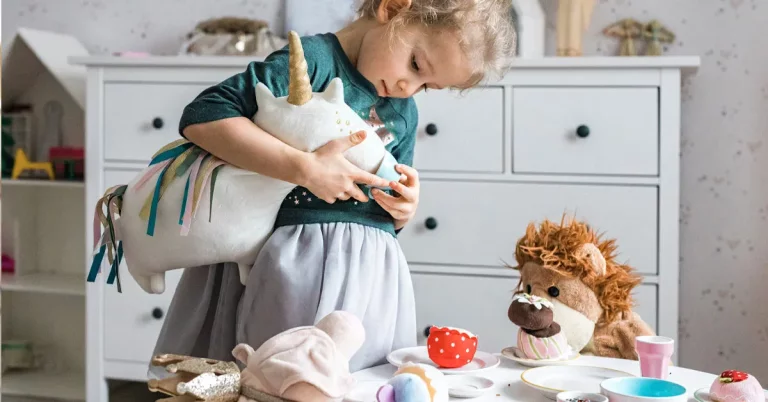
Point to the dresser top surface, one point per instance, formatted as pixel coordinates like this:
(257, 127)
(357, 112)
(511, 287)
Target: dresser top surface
(613, 62)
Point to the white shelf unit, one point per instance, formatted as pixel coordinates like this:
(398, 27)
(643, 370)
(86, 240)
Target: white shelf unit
(43, 300)
(43, 221)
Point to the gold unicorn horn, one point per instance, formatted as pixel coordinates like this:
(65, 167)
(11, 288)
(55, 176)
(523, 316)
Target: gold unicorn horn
(299, 88)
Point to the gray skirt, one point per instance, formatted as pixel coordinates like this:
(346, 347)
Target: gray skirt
(303, 273)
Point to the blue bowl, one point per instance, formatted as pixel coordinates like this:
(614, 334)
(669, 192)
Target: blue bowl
(636, 389)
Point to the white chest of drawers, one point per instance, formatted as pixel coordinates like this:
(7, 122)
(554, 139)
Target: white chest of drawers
(598, 137)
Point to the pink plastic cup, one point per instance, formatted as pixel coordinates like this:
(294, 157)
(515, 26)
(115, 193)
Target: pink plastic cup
(655, 353)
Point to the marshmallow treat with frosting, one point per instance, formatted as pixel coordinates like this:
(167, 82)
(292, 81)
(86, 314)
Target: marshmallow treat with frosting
(539, 336)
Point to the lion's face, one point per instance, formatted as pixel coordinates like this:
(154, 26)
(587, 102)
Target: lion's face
(576, 307)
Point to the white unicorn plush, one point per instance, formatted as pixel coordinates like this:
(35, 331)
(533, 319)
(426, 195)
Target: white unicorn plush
(154, 222)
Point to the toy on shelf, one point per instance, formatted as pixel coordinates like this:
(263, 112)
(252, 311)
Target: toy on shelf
(171, 204)
(307, 364)
(573, 18)
(451, 347)
(68, 162)
(414, 383)
(572, 267)
(627, 30)
(17, 355)
(9, 264)
(22, 164)
(656, 34)
(7, 146)
(539, 336)
(232, 36)
(732, 386)
(16, 134)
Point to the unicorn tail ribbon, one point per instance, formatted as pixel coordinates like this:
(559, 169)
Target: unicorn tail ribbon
(171, 161)
(107, 242)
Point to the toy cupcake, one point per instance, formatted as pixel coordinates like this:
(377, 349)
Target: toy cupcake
(539, 336)
(451, 347)
(736, 386)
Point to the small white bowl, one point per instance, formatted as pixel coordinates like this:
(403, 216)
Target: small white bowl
(570, 396)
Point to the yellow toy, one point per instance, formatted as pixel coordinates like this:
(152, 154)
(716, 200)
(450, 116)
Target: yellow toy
(22, 163)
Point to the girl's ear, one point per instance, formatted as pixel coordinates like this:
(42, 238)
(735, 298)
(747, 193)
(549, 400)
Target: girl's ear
(388, 9)
(334, 92)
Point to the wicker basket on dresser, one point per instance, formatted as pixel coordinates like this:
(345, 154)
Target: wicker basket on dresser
(598, 137)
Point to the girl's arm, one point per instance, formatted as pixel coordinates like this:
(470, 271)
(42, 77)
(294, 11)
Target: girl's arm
(325, 172)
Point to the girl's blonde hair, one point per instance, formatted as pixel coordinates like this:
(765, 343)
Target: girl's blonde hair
(484, 28)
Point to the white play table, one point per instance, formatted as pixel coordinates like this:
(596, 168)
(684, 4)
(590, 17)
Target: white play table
(509, 387)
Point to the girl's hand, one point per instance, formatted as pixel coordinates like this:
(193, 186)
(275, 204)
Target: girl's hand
(330, 176)
(402, 207)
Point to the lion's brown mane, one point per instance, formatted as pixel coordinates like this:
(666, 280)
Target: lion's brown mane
(554, 246)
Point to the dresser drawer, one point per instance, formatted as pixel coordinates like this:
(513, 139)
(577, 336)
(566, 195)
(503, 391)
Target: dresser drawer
(460, 133)
(475, 223)
(140, 118)
(479, 305)
(133, 318)
(592, 131)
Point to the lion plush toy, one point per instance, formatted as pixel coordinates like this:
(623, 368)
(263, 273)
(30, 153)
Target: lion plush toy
(571, 266)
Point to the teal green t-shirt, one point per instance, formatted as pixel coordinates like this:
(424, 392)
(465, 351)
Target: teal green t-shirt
(395, 121)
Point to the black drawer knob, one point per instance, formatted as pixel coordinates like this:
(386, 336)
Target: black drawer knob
(582, 131)
(426, 331)
(431, 129)
(430, 223)
(157, 313)
(157, 123)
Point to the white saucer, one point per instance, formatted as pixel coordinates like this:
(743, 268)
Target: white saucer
(551, 380)
(468, 386)
(481, 361)
(702, 395)
(364, 391)
(514, 354)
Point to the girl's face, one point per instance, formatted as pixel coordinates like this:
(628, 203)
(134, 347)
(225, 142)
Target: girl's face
(414, 60)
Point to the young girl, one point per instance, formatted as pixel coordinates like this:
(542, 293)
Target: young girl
(332, 247)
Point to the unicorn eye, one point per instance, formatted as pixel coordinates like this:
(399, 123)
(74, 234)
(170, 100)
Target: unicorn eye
(553, 291)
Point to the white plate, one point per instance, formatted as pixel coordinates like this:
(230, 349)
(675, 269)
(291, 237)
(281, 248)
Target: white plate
(514, 354)
(467, 386)
(481, 361)
(702, 395)
(551, 380)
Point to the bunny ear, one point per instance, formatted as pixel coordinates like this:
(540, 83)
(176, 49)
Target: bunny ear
(386, 393)
(594, 256)
(242, 352)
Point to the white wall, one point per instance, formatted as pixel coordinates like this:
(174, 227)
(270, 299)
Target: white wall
(724, 302)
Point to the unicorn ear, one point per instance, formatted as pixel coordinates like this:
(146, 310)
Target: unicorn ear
(263, 93)
(594, 256)
(334, 92)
